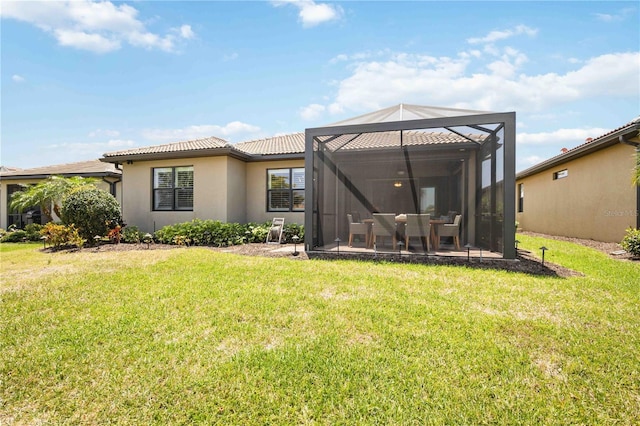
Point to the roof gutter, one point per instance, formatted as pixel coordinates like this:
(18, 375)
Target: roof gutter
(66, 175)
(624, 139)
(215, 152)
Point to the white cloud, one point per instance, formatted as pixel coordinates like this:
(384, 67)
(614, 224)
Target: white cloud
(68, 152)
(186, 32)
(230, 57)
(312, 111)
(18, 78)
(120, 143)
(149, 40)
(105, 132)
(227, 132)
(532, 160)
(85, 41)
(617, 17)
(568, 138)
(98, 27)
(494, 36)
(311, 13)
(504, 86)
(338, 58)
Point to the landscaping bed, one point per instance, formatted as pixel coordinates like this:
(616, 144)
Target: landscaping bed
(526, 261)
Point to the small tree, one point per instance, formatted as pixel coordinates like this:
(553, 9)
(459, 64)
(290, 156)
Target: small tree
(48, 194)
(92, 210)
(636, 172)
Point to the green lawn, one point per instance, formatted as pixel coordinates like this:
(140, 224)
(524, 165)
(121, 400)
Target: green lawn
(196, 336)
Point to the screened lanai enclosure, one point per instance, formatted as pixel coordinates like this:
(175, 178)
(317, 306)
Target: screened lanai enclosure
(413, 180)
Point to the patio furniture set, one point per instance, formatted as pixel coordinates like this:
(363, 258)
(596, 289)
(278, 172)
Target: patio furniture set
(402, 227)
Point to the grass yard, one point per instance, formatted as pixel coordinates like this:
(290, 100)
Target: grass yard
(190, 336)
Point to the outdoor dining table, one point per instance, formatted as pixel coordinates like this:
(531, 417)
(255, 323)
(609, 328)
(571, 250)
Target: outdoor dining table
(401, 221)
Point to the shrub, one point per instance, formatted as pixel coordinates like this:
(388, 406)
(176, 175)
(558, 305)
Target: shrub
(92, 210)
(215, 233)
(257, 232)
(33, 231)
(290, 230)
(631, 242)
(59, 235)
(2, 232)
(16, 236)
(131, 235)
(203, 232)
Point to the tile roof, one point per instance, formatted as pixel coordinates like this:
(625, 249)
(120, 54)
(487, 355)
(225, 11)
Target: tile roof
(210, 142)
(601, 137)
(79, 168)
(294, 143)
(392, 139)
(284, 144)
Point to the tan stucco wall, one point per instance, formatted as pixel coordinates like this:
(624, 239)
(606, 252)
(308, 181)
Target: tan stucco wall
(256, 196)
(211, 189)
(595, 201)
(236, 191)
(4, 208)
(225, 189)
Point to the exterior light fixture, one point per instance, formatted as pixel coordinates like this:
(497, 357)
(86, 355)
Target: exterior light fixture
(337, 241)
(397, 184)
(295, 239)
(468, 247)
(44, 241)
(517, 242)
(147, 238)
(543, 248)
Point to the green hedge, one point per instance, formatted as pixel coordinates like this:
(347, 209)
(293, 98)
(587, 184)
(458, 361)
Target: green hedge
(215, 233)
(30, 232)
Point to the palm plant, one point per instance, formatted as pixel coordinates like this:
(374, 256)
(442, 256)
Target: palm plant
(48, 194)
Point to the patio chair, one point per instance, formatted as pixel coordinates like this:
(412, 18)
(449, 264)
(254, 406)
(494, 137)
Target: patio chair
(357, 228)
(274, 236)
(384, 225)
(451, 230)
(418, 225)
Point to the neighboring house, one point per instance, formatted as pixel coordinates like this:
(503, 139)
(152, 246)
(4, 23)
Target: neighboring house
(403, 159)
(585, 192)
(12, 180)
(212, 179)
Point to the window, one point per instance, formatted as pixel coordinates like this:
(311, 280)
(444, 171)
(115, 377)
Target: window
(285, 190)
(521, 197)
(173, 188)
(561, 174)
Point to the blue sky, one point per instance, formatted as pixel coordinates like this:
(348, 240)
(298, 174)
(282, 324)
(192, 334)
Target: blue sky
(82, 78)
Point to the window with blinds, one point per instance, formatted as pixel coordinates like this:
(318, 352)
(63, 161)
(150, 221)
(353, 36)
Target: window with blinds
(285, 190)
(173, 188)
